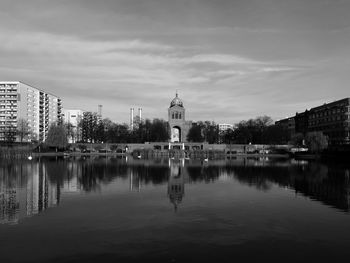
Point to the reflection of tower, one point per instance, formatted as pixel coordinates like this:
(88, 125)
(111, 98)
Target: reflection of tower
(135, 183)
(176, 184)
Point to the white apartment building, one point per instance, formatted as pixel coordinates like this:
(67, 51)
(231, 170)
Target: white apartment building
(73, 117)
(225, 127)
(19, 101)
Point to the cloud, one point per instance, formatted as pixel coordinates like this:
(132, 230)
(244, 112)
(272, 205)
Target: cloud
(127, 72)
(281, 69)
(126, 61)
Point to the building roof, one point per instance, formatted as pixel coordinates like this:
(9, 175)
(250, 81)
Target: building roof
(176, 102)
(21, 82)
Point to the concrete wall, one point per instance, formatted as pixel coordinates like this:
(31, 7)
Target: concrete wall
(164, 146)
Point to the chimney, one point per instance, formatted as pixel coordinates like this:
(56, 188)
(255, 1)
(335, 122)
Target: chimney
(100, 110)
(131, 118)
(140, 114)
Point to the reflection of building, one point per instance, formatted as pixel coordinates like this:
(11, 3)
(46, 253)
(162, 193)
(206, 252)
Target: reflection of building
(34, 109)
(9, 206)
(176, 184)
(70, 185)
(26, 191)
(41, 193)
(135, 181)
(179, 127)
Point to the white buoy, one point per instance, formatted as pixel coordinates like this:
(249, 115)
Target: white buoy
(30, 157)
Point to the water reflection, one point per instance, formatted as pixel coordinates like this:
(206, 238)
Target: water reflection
(29, 188)
(176, 183)
(26, 190)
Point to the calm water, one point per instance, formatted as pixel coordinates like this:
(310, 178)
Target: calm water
(122, 210)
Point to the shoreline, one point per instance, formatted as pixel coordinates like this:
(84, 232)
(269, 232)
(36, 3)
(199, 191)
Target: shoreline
(77, 154)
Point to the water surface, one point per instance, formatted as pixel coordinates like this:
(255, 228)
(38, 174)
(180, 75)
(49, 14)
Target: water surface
(105, 210)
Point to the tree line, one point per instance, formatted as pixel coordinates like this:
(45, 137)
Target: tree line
(93, 129)
(260, 130)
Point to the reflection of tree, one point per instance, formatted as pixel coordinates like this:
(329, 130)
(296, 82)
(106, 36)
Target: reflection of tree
(203, 173)
(326, 183)
(151, 174)
(254, 176)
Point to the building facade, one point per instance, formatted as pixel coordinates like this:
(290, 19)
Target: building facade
(288, 125)
(179, 127)
(224, 127)
(73, 117)
(332, 119)
(24, 105)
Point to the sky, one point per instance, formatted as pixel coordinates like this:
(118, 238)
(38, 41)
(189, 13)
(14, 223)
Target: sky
(229, 60)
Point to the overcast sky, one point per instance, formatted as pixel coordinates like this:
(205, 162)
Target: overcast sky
(229, 59)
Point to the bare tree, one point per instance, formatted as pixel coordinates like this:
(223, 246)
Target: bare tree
(23, 129)
(71, 132)
(57, 136)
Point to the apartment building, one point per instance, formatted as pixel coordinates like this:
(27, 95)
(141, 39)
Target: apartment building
(225, 126)
(73, 117)
(288, 124)
(332, 119)
(22, 104)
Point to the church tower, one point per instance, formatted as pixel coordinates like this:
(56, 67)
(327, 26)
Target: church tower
(178, 125)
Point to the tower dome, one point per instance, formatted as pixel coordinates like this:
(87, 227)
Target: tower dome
(176, 102)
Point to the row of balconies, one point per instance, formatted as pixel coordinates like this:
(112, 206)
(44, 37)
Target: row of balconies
(8, 89)
(7, 101)
(8, 110)
(8, 122)
(9, 97)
